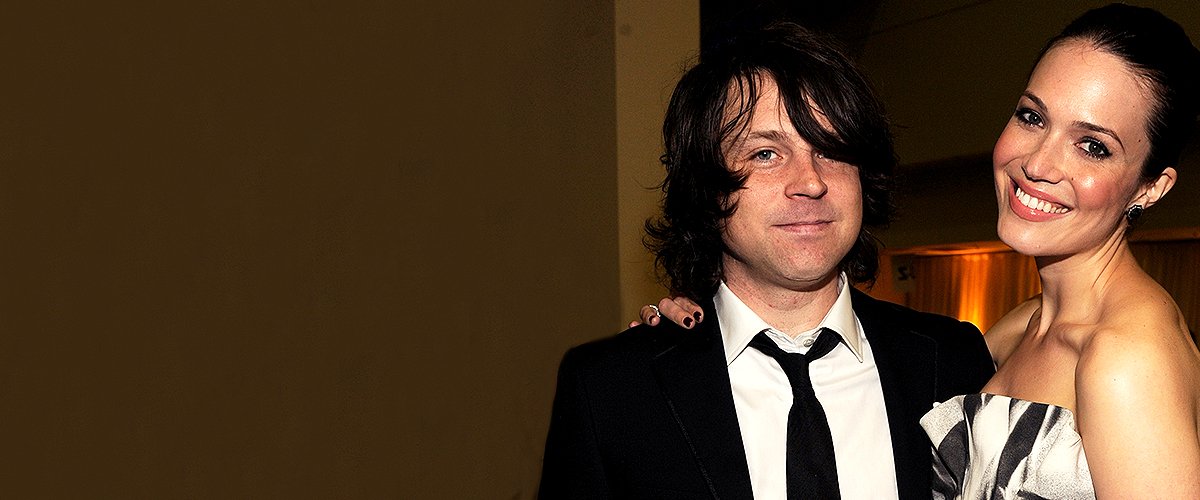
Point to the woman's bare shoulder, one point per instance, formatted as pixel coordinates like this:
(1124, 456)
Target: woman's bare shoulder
(1143, 313)
(1141, 339)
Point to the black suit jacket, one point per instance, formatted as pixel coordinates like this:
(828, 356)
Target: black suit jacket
(649, 413)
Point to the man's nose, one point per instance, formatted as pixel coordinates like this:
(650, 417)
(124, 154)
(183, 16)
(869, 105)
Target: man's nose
(805, 177)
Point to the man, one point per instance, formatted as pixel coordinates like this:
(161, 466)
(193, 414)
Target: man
(777, 153)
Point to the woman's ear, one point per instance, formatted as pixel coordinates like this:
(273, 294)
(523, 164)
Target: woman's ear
(1157, 188)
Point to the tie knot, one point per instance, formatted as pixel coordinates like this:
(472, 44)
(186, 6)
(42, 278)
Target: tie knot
(826, 340)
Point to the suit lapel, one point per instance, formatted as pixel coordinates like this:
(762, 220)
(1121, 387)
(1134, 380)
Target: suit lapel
(695, 381)
(906, 361)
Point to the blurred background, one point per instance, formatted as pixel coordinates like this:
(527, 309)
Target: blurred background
(336, 249)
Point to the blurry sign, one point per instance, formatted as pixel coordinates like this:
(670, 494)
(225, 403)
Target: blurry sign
(903, 275)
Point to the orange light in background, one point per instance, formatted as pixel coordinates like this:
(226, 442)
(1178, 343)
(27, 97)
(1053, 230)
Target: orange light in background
(974, 287)
(977, 282)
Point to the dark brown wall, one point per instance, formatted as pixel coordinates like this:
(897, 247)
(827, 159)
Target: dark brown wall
(298, 250)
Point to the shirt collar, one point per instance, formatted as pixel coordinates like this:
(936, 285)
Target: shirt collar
(739, 323)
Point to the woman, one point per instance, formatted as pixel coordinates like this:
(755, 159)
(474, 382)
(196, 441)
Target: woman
(1097, 391)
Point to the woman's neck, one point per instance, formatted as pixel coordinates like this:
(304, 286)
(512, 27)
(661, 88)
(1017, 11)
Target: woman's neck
(1074, 287)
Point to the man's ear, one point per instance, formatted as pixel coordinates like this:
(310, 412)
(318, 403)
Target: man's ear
(1157, 188)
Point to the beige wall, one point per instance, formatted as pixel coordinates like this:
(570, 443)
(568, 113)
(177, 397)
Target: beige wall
(656, 42)
(298, 250)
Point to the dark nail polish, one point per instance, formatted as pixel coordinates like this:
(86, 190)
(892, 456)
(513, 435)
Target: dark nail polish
(687, 322)
(697, 316)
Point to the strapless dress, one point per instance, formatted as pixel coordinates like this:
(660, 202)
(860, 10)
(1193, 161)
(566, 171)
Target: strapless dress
(987, 446)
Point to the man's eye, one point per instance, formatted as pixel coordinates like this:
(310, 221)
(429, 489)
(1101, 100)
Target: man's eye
(765, 155)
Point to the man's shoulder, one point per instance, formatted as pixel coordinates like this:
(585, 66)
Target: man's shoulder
(635, 345)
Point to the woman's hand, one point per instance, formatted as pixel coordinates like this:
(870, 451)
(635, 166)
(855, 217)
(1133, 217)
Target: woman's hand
(680, 310)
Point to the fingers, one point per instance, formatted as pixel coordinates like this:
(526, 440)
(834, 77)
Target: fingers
(679, 310)
(674, 310)
(649, 316)
(690, 308)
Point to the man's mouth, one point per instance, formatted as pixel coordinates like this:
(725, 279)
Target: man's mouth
(808, 226)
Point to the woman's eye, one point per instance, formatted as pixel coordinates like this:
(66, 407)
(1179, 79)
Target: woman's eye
(1028, 117)
(1094, 148)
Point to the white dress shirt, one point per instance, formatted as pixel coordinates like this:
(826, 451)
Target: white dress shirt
(846, 383)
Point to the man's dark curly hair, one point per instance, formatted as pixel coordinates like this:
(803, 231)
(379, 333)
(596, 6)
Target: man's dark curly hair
(806, 67)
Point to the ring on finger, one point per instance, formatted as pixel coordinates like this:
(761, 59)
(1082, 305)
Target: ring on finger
(656, 311)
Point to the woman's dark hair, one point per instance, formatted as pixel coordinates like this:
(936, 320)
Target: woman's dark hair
(1158, 50)
(807, 68)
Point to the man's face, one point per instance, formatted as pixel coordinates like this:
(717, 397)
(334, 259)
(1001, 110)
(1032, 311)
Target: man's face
(799, 212)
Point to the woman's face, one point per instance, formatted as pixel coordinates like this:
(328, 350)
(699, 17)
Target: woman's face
(1068, 163)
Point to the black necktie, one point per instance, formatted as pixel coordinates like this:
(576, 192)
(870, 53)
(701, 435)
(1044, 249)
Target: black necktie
(811, 469)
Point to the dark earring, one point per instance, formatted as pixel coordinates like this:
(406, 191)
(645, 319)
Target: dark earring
(1133, 213)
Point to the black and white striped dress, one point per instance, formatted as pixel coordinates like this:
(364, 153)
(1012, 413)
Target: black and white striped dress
(988, 446)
